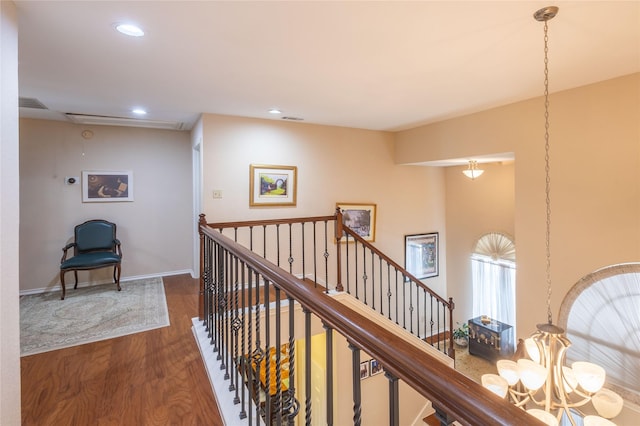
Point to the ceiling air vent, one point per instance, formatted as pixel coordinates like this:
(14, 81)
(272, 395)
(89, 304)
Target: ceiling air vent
(293, 118)
(104, 120)
(31, 103)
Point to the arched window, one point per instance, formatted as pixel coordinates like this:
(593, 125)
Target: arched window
(601, 317)
(493, 266)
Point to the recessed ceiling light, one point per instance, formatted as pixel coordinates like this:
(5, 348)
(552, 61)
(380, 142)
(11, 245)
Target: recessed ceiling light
(275, 111)
(138, 111)
(130, 30)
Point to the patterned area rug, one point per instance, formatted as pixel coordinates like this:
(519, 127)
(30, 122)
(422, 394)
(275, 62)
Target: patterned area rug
(90, 314)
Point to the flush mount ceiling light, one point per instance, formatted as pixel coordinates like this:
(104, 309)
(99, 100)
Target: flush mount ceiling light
(542, 384)
(473, 171)
(130, 30)
(139, 111)
(275, 111)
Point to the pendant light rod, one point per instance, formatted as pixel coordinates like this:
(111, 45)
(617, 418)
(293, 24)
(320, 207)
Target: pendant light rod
(544, 15)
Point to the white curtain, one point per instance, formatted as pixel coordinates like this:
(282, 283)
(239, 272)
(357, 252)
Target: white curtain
(494, 288)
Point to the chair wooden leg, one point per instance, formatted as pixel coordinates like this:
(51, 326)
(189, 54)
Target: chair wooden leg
(62, 283)
(116, 276)
(75, 274)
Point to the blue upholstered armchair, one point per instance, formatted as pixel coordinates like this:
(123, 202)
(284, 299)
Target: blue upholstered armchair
(95, 246)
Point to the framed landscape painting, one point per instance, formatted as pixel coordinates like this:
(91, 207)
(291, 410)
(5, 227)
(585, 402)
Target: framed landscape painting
(421, 255)
(107, 186)
(272, 185)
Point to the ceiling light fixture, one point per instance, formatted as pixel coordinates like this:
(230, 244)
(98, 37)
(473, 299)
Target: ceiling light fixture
(130, 30)
(275, 111)
(473, 171)
(543, 380)
(139, 111)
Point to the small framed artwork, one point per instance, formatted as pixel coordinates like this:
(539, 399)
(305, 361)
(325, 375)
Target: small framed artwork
(421, 255)
(375, 367)
(107, 186)
(272, 185)
(361, 218)
(364, 370)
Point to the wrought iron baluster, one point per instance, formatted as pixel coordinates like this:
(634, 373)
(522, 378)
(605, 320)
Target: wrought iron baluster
(355, 267)
(290, 259)
(226, 322)
(246, 311)
(423, 318)
(307, 366)
(264, 241)
(219, 299)
(235, 329)
(364, 273)
(438, 328)
(411, 309)
(267, 353)
(396, 296)
(329, 372)
(277, 403)
(315, 257)
(326, 258)
(431, 322)
(347, 262)
(357, 392)
(304, 267)
(291, 405)
(404, 301)
(278, 244)
(388, 291)
(257, 354)
(394, 403)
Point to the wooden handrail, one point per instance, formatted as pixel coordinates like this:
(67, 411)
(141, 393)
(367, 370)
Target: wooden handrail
(250, 223)
(456, 394)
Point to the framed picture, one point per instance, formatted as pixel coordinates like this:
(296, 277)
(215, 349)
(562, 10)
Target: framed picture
(272, 185)
(102, 186)
(375, 367)
(361, 218)
(364, 370)
(421, 255)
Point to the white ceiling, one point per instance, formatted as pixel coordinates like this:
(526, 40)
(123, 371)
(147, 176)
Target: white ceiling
(385, 65)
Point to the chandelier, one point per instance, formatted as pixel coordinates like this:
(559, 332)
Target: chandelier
(542, 384)
(473, 171)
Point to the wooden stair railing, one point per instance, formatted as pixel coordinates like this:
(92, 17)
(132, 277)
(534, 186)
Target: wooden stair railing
(330, 254)
(226, 264)
(433, 325)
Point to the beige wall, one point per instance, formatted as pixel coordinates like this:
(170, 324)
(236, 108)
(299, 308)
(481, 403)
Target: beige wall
(474, 208)
(9, 218)
(155, 229)
(595, 183)
(335, 164)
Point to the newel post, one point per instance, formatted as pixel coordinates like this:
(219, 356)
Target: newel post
(452, 351)
(339, 233)
(201, 222)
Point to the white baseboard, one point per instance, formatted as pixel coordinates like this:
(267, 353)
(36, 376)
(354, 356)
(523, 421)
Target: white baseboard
(100, 282)
(229, 411)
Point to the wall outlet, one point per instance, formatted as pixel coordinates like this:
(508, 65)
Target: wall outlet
(217, 193)
(71, 180)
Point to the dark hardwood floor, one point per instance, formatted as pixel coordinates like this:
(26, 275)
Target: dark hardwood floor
(151, 378)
